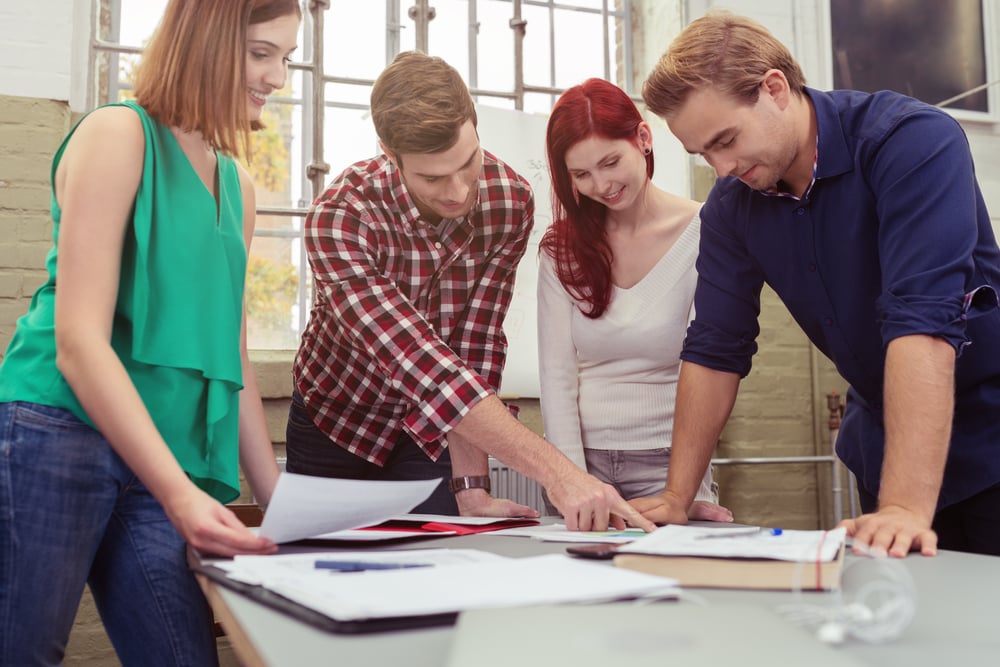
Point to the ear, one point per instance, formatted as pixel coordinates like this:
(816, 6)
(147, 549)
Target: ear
(776, 86)
(645, 135)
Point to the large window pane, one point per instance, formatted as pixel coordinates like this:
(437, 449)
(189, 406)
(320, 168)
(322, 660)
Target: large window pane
(929, 50)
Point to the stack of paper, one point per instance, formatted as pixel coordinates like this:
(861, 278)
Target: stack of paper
(739, 557)
(425, 582)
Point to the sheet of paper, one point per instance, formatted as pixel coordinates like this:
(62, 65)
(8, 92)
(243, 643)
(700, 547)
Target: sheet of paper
(740, 542)
(303, 505)
(557, 532)
(481, 582)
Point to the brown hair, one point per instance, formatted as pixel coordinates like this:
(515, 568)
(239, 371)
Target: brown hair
(419, 103)
(730, 52)
(193, 72)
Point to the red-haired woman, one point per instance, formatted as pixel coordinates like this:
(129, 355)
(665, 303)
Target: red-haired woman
(126, 397)
(615, 295)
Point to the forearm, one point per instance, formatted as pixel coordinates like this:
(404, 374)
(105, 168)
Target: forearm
(256, 450)
(106, 392)
(705, 399)
(490, 429)
(919, 407)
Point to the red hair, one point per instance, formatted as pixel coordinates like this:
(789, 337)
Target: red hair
(577, 240)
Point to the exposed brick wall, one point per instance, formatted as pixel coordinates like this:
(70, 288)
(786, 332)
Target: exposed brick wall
(30, 131)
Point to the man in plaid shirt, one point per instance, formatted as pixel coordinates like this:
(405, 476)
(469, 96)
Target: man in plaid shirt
(413, 256)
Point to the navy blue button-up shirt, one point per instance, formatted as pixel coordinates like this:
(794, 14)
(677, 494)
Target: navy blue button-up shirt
(888, 242)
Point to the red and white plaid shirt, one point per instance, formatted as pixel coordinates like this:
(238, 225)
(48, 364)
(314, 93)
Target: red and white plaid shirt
(406, 325)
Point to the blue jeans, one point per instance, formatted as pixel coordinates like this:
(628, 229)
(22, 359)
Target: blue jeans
(312, 452)
(71, 512)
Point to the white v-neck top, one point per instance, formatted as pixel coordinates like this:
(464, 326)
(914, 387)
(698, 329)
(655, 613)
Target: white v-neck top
(611, 383)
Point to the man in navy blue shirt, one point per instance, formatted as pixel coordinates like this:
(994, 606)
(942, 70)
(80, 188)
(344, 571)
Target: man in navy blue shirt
(863, 213)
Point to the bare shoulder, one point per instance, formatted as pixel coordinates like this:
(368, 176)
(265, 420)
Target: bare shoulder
(106, 152)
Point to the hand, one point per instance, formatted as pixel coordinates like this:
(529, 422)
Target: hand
(892, 530)
(477, 502)
(211, 527)
(662, 509)
(703, 510)
(586, 503)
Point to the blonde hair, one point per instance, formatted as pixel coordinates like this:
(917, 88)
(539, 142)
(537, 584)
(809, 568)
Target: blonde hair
(419, 103)
(730, 52)
(193, 72)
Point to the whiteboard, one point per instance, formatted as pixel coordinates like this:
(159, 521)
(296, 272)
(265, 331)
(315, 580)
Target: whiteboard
(518, 138)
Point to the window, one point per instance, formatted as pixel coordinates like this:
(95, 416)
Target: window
(514, 55)
(934, 51)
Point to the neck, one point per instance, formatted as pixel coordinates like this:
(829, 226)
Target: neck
(800, 173)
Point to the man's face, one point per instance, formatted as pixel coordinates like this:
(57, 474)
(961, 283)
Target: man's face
(756, 143)
(445, 184)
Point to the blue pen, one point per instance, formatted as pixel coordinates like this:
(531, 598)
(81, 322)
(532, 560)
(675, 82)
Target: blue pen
(362, 566)
(741, 533)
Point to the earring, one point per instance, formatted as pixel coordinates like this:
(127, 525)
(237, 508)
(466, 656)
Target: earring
(647, 150)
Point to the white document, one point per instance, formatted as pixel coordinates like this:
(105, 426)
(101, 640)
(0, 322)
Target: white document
(304, 506)
(557, 532)
(484, 581)
(740, 542)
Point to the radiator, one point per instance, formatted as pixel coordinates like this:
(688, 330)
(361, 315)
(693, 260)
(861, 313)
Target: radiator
(508, 483)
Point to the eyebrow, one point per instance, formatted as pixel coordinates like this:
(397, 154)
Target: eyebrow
(716, 138)
(264, 42)
(613, 155)
(467, 163)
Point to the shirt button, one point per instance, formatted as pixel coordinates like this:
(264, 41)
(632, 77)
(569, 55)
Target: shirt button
(800, 211)
(437, 244)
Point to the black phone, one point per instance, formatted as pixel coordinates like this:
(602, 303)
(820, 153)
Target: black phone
(597, 551)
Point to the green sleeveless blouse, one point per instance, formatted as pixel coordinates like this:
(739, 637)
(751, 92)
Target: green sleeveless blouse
(177, 319)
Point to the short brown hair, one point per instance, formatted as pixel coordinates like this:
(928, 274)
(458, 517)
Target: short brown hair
(193, 72)
(419, 103)
(730, 52)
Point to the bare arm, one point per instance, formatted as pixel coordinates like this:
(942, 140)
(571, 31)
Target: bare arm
(919, 407)
(585, 502)
(705, 399)
(96, 183)
(256, 450)
(469, 460)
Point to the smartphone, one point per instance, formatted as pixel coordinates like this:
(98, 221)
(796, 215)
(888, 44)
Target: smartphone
(597, 551)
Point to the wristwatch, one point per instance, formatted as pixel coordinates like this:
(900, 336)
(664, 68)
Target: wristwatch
(456, 484)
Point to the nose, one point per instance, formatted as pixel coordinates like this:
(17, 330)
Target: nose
(723, 166)
(275, 75)
(601, 184)
(457, 189)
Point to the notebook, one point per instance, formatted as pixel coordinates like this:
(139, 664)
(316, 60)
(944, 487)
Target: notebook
(662, 634)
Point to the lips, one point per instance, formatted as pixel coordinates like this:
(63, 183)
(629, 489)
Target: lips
(259, 98)
(614, 196)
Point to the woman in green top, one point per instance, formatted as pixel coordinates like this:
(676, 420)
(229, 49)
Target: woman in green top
(126, 396)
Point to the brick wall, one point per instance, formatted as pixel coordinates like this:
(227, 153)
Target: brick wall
(30, 131)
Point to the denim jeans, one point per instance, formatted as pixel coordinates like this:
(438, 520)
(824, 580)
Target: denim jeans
(311, 452)
(71, 512)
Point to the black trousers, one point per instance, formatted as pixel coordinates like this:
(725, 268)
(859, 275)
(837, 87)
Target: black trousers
(312, 452)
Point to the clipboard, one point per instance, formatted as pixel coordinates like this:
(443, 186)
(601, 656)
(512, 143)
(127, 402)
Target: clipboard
(315, 619)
